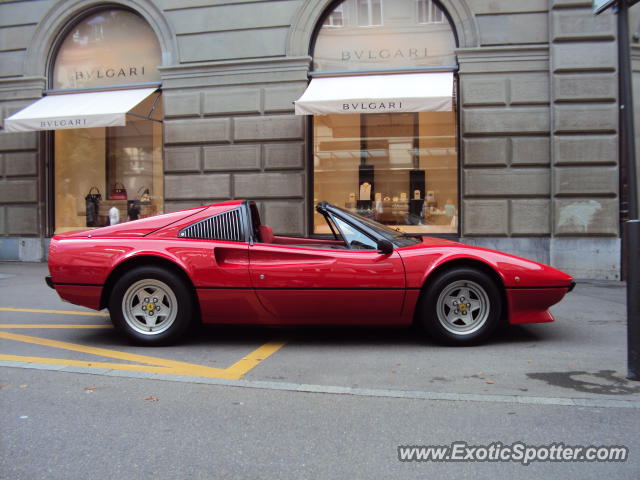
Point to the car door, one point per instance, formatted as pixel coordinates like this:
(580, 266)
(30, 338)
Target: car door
(215, 251)
(325, 285)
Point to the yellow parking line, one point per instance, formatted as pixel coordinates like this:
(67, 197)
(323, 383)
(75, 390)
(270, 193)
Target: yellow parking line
(152, 364)
(16, 326)
(80, 363)
(102, 352)
(252, 360)
(56, 312)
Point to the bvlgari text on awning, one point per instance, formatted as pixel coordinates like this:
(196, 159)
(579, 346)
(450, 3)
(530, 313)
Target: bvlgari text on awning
(362, 106)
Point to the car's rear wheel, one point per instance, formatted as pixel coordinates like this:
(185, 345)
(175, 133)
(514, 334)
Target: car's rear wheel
(151, 306)
(461, 306)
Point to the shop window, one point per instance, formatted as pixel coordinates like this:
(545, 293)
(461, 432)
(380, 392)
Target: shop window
(398, 168)
(428, 12)
(335, 18)
(108, 175)
(110, 47)
(403, 42)
(369, 13)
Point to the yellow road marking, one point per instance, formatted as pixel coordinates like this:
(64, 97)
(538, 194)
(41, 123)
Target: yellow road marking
(252, 360)
(80, 363)
(152, 364)
(15, 326)
(103, 352)
(57, 312)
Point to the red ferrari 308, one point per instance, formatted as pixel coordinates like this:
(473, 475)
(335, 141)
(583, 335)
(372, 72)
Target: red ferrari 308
(219, 264)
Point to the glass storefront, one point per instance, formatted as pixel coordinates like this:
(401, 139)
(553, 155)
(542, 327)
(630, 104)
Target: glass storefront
(102, 161)
(398, 168)
(108, 175)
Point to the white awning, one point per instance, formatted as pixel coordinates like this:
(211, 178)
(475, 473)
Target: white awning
(77, 110)
(396, 93)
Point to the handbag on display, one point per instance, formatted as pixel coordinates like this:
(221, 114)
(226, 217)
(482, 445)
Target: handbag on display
(92, 202)
(118, 192)
(143, 197)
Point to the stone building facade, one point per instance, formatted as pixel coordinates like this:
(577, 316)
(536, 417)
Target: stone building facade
(537, 119)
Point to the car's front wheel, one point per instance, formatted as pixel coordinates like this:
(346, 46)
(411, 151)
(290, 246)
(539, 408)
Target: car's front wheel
(151, 306)
(461, 306)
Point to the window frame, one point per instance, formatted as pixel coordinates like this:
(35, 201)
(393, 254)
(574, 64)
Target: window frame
(451, 235)
(329, 20)
(430, 7)
(338, 221)
(370, 7)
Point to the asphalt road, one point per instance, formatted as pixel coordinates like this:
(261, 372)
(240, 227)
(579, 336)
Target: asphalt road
(321, 403)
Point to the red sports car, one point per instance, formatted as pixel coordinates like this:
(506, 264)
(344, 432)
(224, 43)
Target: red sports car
(219, 264)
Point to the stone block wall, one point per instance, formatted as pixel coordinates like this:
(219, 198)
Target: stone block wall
(233, 134)
(585, 215)
(539, 123)
(21, 202)
(585, 120)
(505, 125)
(230, 131)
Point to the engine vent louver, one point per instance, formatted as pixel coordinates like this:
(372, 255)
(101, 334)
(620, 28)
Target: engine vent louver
(224, 226)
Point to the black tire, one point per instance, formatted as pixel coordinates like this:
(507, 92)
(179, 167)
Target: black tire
(151, 306)
(461, 306)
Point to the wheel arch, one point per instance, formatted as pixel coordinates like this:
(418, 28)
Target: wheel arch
(469, 263)
(146, 261)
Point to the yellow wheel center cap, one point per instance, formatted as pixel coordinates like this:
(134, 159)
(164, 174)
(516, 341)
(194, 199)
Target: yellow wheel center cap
(463, 308)
(150, 306)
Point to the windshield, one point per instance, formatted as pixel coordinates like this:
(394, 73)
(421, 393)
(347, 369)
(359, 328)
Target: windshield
(395, 236)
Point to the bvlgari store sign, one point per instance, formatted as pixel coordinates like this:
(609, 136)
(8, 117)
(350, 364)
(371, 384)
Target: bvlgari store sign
(352, 50)
(108, 48)
(378, 106)
(134, 74)
(394, 47)
(395, 93)
(77, 110)
(384, 54)
(56, 123)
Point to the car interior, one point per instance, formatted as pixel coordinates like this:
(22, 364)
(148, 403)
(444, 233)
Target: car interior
(264, 234)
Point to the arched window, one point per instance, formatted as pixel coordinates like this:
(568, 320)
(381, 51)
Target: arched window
(107, 48)
(111, 50)
(377, 151)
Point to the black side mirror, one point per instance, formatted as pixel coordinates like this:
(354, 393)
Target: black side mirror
(384, 246)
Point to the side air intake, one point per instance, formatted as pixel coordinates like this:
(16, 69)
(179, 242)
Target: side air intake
(224, 226)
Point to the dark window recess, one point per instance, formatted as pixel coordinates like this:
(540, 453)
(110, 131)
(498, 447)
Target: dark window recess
(224, 226)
